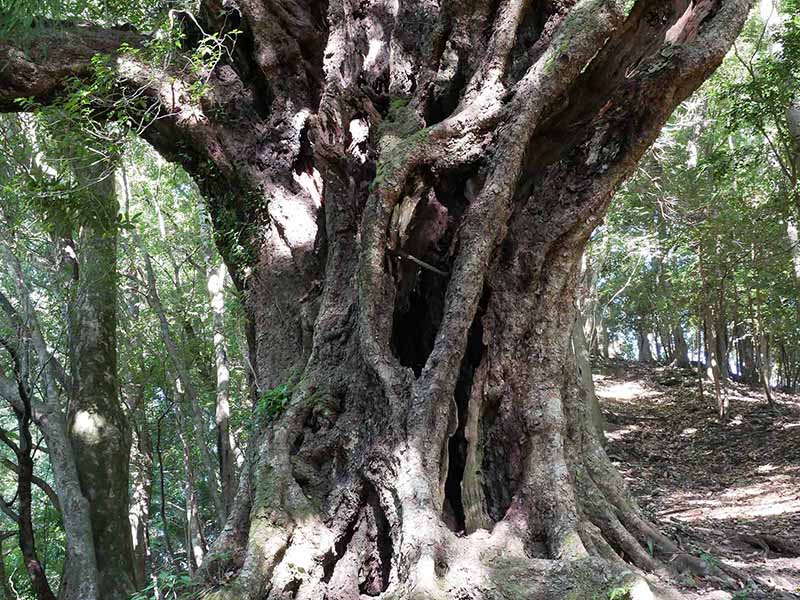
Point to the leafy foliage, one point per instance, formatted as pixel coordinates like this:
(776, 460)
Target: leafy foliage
(707, 218)
(273, 402)
(168, 586)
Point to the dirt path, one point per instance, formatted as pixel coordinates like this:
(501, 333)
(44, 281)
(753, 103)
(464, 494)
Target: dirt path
(727, 493)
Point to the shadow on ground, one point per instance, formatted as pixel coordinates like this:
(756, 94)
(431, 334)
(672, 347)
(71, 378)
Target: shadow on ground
(727, 492)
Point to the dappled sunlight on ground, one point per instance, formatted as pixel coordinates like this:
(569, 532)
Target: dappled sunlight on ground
(618, 434)
(759, 500)
(625, 390)
(713, 487)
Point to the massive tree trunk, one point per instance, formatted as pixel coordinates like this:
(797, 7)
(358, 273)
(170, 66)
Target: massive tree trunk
(403, 191)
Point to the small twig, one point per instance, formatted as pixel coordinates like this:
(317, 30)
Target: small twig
(417, 261)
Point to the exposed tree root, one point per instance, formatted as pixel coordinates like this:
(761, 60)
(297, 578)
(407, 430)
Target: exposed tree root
(772, 543)
(379, 541)
(481, 566)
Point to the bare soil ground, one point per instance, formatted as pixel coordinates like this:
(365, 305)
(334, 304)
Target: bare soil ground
(726, 492)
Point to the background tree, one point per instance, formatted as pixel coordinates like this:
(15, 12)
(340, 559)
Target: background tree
(716, 186)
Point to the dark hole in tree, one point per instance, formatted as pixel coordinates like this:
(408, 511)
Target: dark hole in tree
(444, 103)
(420, 299)
(378, 564)
(416, 323)
(454, 513)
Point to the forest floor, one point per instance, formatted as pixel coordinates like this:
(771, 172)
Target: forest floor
(726, 492)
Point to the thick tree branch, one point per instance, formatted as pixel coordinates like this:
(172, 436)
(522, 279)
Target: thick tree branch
(41, 67)
(169, 116)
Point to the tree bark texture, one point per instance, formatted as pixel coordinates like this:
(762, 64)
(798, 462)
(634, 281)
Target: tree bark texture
(98, 424)
(415, 183)
(141, 493)
(51, 420)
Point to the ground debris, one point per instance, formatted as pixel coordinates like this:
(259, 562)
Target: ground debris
(727, 492)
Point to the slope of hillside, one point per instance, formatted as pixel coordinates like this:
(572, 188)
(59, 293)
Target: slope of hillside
(729, 493)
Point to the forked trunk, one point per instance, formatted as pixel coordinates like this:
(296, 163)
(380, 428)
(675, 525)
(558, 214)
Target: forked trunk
(415, 288)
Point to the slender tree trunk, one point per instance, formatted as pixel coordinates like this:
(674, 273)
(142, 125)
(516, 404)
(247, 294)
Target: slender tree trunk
(643, 344)
(225, 444)
(750, 342)
(27, 542)
(659, 347)
(680, 355)
(196, 547)
(699, 347)
(714, 373)
(587, 307)
(162, 496)
(141, 488)
(764, 365)
(99, 429)
(761, 336)
(585, 382)
(713, 369)
(603, 340)
(721, 334)
(182, 370)
(23, 450)
(793, 124)
(785, 366)
(49, 417)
